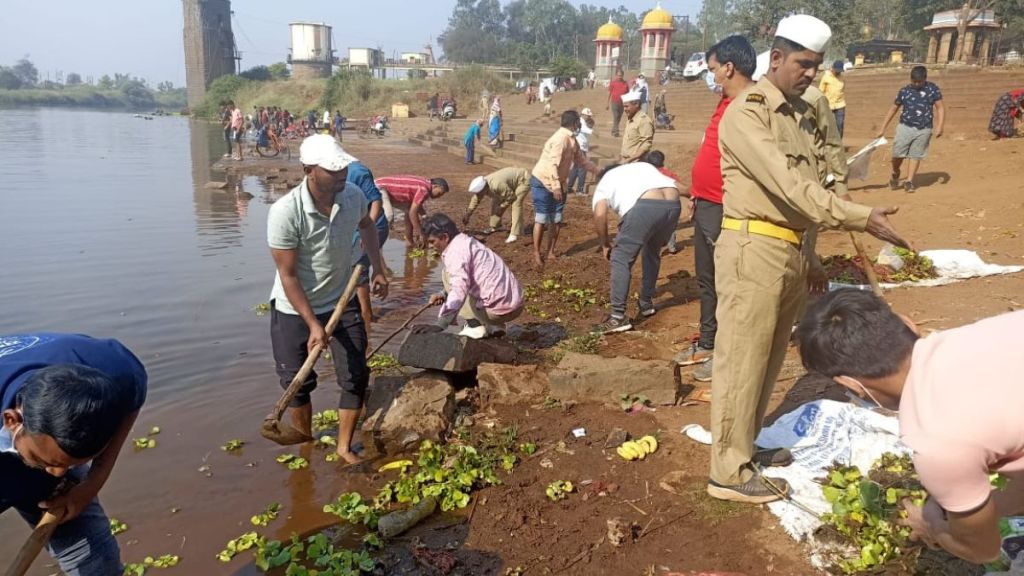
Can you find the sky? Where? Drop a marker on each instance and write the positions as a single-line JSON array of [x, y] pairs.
[[144, 37]]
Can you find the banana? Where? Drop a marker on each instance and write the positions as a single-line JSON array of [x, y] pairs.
[[636, 447], [650, 444], [396, 465], [626, 454]]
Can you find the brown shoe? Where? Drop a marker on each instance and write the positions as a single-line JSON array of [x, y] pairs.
[[771, 457], [753, 491]]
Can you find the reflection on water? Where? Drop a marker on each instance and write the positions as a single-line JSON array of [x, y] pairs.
[[108, 229]]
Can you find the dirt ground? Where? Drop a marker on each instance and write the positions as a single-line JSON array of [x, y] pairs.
[[969, 197]]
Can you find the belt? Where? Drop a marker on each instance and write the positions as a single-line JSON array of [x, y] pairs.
[[763, 228]]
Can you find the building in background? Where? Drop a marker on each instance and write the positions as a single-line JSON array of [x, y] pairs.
[[372, 59], [312, 51], [607, 46], [943, 32], [655, 41], [209, 45]]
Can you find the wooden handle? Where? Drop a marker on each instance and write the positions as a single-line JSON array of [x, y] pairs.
[[35, 543], [314, 355], [865, 263], [400, 328]]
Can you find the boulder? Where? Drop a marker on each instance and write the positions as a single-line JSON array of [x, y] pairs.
[[506, 384], [402, 412], [453, 353], [590, 378], [215, 185]]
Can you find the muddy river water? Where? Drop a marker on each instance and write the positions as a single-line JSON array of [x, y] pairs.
[[108, 230]]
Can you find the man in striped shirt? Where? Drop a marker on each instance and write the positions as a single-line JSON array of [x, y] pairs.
[[409, 194]]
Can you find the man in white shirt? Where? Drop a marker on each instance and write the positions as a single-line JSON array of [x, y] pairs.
[[578, 175], [648, 204]]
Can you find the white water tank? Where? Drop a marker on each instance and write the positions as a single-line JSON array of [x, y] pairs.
[[311, 42]]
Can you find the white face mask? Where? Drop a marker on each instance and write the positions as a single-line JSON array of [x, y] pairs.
[[862, 402], [7, 440], [715, 87]]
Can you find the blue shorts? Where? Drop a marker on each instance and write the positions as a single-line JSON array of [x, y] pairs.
[[545, 209], [383, 233]]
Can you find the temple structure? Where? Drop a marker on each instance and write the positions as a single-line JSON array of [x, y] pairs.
[[982, 26], [655, 41], [607, 46]]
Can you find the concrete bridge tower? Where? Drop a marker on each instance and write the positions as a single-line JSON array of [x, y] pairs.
[[209, 45]]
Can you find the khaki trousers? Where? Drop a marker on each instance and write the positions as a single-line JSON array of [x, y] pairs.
[[498, 207], [470, 310], [761, 284]]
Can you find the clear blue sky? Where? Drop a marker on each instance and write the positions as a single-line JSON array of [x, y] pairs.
[[144, 37]]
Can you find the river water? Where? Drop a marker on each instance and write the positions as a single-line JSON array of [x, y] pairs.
[[108, 230]]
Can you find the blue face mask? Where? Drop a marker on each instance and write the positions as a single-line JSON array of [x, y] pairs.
[[7, 442]]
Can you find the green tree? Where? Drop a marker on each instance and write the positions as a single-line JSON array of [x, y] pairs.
[[475, 32], [567, 67], [26, 72], [279, 71], [137, 94], [73, 79], [105, 82], [8, 79], [256, 73], [165, 86]]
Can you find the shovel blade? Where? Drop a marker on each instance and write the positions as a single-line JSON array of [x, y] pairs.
[[283, 434]]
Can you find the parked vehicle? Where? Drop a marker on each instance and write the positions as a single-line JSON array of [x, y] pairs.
[[696, 67]]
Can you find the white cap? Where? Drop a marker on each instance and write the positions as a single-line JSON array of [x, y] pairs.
[[477, 185], [763, 60], [324, 151], [630, 97], [587, 112], [805, 30]]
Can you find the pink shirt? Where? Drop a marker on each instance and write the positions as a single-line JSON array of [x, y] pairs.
[[236, 119], [962, 409], [405, 190], [475, 271]]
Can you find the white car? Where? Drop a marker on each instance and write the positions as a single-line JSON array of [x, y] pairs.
[[696, 66]]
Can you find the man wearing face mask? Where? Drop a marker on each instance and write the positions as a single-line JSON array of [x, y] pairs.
[[69, 402], [958, 438], [772, 183]]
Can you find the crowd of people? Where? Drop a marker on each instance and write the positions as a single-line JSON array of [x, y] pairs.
[[274, 122], [769, 173]]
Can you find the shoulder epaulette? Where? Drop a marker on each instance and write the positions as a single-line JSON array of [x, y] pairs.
[[755, 98]]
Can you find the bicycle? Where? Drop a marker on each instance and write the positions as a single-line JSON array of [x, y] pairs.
[[268, 145]]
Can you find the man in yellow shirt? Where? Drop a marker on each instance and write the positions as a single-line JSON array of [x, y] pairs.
[[834, 87]]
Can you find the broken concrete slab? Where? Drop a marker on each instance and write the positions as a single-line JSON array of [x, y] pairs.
[[215, 185], [507, 384], [402, 412], [590, 378], [453, 353]]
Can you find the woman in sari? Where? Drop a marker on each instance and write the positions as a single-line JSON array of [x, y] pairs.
[[1008, 109], [494, 124]]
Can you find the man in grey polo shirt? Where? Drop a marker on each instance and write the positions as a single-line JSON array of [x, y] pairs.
[[309, 231]]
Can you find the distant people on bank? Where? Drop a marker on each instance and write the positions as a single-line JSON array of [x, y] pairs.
[[958, 439], [69, 402], [237, 130], [578, 175], [922, 115], [484, 103], [545, 97], [506, 187], [666, 76], [549, 184], [470, 139], [1007, 114], [312, 272], [638, 138], [731, 64], [495, 124], [656, 158], [360, 176], [409, 194], [432, 106], [834, 87], [531, 93], [479, 287], [339, 124], [648, 206], [662, 119], [617, 88], [225, 123], [591, 79], [639, 85]]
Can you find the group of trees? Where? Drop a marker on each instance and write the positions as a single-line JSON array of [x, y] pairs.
[[276, 71], [532, 33]]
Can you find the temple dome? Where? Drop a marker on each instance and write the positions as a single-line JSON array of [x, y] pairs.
[[609, 31], [658, 19]]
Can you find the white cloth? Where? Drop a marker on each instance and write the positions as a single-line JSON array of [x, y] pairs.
[[763, 60], [805, 30], [583, 137], [621, 187]]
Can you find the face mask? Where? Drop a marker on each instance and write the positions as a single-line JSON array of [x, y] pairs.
[[7, 441], [864, 403], [709, 78]]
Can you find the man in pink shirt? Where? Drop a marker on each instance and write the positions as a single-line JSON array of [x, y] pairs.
[[409, 194], [479, 287], [237, 128], [958, 393]]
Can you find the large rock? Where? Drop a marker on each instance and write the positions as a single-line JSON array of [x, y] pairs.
[[505, 384], [453, 353], [401, 412], [589, 378]]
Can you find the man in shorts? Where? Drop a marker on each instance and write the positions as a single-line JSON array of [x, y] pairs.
[[920, 101]]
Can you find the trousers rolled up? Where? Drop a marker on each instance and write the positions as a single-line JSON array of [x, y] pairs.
[[642, 232], [471, 310], [707, 226], [761, 284]]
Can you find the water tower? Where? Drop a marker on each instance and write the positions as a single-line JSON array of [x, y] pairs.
[[312, 53]]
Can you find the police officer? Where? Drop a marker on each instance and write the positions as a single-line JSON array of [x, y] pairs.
[[773, 173]]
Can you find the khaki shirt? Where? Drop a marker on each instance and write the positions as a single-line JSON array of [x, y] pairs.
[[557, 158], [639, 135], [505, 186], [827, 137], [771, 168]]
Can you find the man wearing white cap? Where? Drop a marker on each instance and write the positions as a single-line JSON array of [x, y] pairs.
[[578, 174], [310, 232], [638, 138], [506, 187], [772, 181]]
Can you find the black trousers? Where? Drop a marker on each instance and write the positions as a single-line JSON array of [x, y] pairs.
[[707, 225], [289, 335]]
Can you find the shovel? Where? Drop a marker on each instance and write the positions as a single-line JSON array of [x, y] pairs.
[[400, 328], [35, 543], [865, 263], [284, 434]]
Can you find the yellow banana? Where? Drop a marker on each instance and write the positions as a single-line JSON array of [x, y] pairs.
[[396, 465], [626, 454], [641, 453], [650, 443]]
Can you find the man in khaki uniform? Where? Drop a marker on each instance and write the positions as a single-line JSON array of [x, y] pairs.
[[772, 174], [506, 187], [639, 135]]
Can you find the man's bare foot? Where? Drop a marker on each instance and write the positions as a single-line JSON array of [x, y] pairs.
[[552, 255], [538, 260], [348, 456]]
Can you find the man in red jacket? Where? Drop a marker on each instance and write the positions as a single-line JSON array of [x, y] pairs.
[[732, 62]]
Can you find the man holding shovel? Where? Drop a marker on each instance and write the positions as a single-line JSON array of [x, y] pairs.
[[309, 231], [69, 402]]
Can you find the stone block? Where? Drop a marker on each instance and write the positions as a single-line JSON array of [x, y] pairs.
[[590, 378], [506, 384], [453, 353], [401, 412]]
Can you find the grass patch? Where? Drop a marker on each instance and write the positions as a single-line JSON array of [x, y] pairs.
[[583, 344]]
